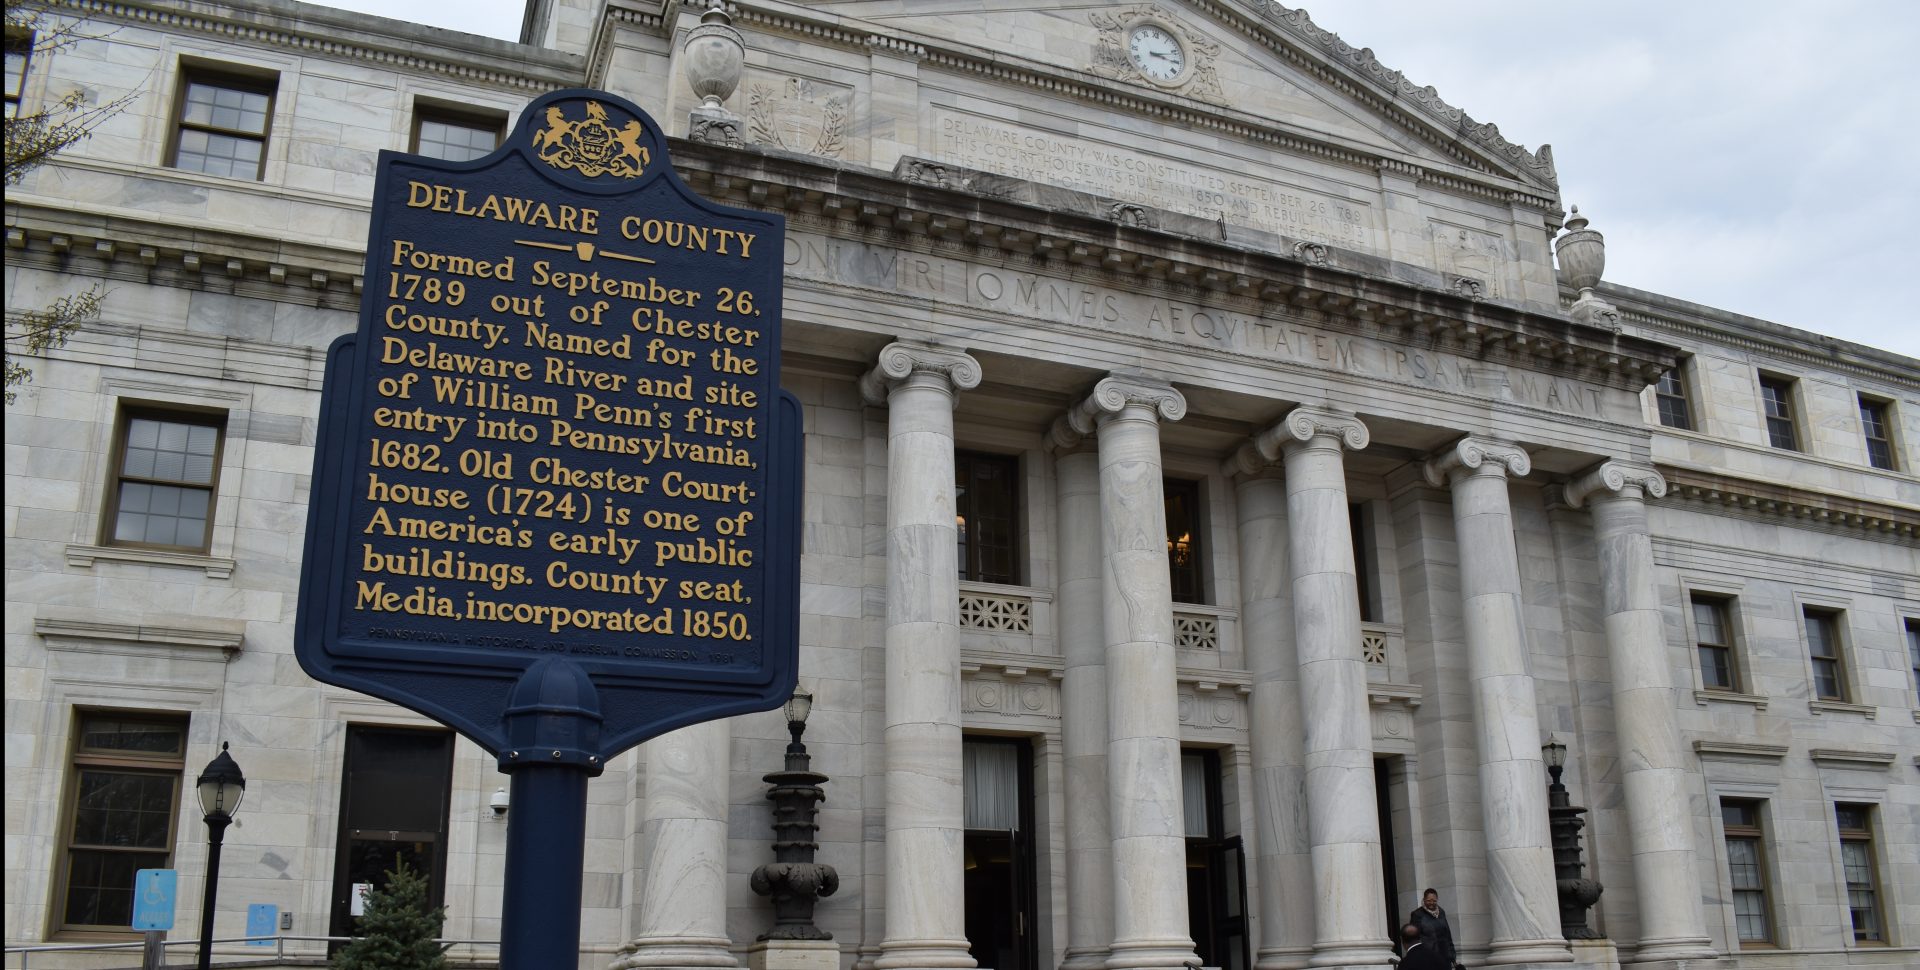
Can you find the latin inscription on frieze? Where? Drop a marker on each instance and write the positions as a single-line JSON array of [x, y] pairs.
[[1225, 328], [1024, 152]]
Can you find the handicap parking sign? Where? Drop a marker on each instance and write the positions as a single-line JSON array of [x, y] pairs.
[[153, 892]]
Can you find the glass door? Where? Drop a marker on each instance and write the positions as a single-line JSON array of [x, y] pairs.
[[393, 807]]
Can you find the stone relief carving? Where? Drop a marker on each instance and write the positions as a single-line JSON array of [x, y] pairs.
[[1010, 690], [1311, 252], [1202, 81], [1467, 286], [922, 172], [1128, 214], [715, 131], [799, 115], [1466, 254], [1300, 26]]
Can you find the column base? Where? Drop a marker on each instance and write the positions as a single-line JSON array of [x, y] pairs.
[[1152, 955], [1673, 950], [1523, 953], [674, 953], [1085, 958], [1365, 954], [1282, 958], [794, 955], [925, 955]]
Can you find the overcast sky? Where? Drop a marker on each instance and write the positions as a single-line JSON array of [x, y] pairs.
[[1752, 155]]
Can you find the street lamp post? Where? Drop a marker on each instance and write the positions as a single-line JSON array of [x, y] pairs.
[[793, 879], [221, 788], [1576, 891]]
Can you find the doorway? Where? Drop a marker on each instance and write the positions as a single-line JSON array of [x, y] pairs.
[[1216, 866], [999, 853], [394, 791]]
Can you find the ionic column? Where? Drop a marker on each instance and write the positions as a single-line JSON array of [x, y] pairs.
[[1281, 849], [1653, 762], [1348, 924], [926, 912], [1143, 712], [1513, 790], [1083, 702], [683, 902]]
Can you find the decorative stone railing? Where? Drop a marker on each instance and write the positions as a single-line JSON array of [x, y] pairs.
[[1006, 619], [1383, 647]]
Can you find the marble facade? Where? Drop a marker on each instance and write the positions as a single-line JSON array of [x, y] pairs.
[[1439, 515]]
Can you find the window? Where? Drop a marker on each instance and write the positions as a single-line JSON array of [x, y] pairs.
[[1747, 870], [1776, 395], [1913, 653], [123, 796], [1873, 422], [1823, 645], [166, 464], [453, 136], [1183, 538], [19, 49], [223, 124], [1670, 395], [1856, 859], [1713, 638], [1360, 523], [395, 792], [986, 498]]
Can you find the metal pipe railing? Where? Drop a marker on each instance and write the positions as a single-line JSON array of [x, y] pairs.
[[279, 945]]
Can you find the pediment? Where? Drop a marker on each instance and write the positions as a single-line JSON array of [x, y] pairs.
[[1246, 61]]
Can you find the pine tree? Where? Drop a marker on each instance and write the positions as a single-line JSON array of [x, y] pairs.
[[398, 928]]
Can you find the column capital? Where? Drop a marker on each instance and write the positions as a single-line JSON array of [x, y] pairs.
[[1471, 453], [902, 359], [1114, 394], [1301, 424], [1617, 476]]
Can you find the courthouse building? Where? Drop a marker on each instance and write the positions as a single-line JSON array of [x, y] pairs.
[[1300, 474]]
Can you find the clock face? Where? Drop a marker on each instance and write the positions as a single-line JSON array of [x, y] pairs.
[[1156, 53]]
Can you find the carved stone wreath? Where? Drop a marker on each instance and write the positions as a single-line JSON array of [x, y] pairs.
[[798, 118], [1110, 58]]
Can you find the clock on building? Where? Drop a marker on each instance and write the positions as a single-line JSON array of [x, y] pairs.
[[1156, 53]]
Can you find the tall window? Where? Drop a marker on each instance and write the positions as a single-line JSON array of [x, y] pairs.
[[1671, 397], [19, 50], [1360, 522], [1183, 539], [395, 790], [986, 498], [1856, 858], [1713, 637], [1747, 870], [454, 137], [1913, 653], [1873, 422], [123, 796], [164, 479], [1823, 645], [223, 122], [1776, 396]]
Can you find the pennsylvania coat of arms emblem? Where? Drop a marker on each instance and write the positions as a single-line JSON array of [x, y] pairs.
[[592, 146]]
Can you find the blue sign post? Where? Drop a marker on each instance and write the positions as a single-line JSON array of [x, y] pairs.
[[556, 492], [154, 891]]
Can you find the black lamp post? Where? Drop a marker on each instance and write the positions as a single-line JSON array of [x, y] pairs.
[[793, 879], [1576, 891], [221, 788]]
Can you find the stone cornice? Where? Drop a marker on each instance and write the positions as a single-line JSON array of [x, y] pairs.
[[171, 632], [1740, 751], [1614, 476], [337, 33], [1748, 498], [1471, 453], [1842, 758]]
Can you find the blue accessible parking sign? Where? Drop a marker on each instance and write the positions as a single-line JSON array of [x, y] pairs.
[[153, 896]]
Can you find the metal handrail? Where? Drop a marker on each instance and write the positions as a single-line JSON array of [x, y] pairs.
[[279, 947]]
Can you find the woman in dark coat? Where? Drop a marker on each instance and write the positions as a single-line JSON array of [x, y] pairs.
[[1434, 931]]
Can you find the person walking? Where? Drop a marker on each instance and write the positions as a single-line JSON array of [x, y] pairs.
[[1416, 953], [1431, 921]]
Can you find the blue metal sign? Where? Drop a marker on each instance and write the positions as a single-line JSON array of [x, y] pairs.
[[262, 923], [557, 443], [153, 895]]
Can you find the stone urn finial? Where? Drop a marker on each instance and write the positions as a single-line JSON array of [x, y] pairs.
[[1582, 253], [714, 55]]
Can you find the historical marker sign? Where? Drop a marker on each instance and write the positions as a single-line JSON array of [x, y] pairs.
[[558, 433]]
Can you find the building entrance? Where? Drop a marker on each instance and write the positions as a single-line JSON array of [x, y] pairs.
[[999, 879], [393, 808]]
